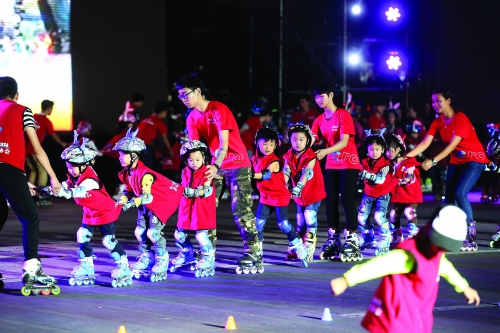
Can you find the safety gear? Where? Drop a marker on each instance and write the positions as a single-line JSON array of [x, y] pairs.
[[79, 154], [267, 133], [192, 146], [109, 242], [83, 235], [266, 174], [301, 128], [191, 192], [83, 127], [207, 190], [308, 172], [297, 190], [130, 143]]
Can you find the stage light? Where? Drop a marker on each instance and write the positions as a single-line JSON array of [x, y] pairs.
[[354, 59], [393, 14], [394, 62], [356, 9]]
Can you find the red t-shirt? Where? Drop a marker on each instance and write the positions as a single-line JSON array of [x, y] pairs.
[[304, 118], [12, 148], [217, 117], [43, 127], [314, 189], [469, 149], [408, 193], [340, 123], [273, 192], [248, 136], [377, 190], [108, 148], [149, 128], [375, 123]]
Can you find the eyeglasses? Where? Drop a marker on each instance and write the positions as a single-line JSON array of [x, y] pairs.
[[185, 96]]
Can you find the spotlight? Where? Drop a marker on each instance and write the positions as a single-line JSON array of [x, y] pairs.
[[393, 14], [394, 62], [354, 59], [356, 9]]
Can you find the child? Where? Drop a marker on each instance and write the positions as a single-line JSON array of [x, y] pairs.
[[407, 194], [99, 212], [130, 115], [196, 212], [414, 135], [83, 129], [274, 194], [378, 175], [404, 300], [156, 198], [307, 181]]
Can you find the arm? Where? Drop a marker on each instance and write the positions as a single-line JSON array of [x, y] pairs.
[[286, 172], [167, 143], [336, 147], [448, 271], [379, 177], [42, 158], [266, 173], [202, 191], [426, 142], [307, 173], [394, 262], [221, 154], [455, 140], [79, 191], [58, 140], [244, 128]]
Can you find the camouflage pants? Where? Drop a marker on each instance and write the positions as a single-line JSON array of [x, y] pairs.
[[239, 185]]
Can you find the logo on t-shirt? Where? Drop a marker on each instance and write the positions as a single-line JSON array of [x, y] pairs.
[[335, 128], [210, 121]]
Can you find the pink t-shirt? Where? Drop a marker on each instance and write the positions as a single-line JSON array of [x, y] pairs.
[[331, 130], [217, 117], [469, 149]]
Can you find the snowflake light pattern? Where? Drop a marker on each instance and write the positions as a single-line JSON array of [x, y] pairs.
[[393, 14]]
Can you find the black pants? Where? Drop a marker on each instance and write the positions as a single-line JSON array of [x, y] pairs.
[[14, 187], [106, 229], [342, 182]]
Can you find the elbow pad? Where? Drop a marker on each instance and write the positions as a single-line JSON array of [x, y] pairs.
[[65, 193], [207, 190], [147, 198], [380, 176], [287, 172], [308, 172], [79, 192]]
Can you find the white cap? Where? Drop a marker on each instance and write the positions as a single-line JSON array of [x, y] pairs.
[[449, 228]]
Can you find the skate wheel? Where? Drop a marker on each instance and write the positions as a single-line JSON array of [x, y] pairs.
[[360, 257], [253, 270], [55, 290], [349, 259], [246, 270], [71, 282], [25, 291], [36, 291], [304, 262], [152, 278], [45, 292], [261, 269], [86, 282], [492, 244], [192, 268], [114, 283], [377, 252], [78, 282], [137, 276], [212, 272], [197, 274], [172, 269], [343, 257], [239, 270]]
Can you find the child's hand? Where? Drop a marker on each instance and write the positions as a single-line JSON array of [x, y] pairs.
[[297, 190], [472, 295], [266, 174], [338, 286], [320, 154], [137, 201]]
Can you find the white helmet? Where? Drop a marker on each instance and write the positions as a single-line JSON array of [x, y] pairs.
[[192, 146], [79, 154], [130, 143]]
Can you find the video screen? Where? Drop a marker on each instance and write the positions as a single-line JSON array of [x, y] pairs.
[[35, 50]]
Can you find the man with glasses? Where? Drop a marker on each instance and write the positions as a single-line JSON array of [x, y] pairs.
[[214, 122]]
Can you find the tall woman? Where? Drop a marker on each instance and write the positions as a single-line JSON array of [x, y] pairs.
[[466, 161], [336, 127]]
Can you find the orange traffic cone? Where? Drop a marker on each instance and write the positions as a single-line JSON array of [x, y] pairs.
[[230, 324], [122, 329]]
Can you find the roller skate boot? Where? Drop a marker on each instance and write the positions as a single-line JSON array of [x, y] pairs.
[[159, 270], [366, 238], [297, 250], [470, 244], [142, 268], [351, 250], [122, 276], [384, 242], [83, 273], [496, 239], [412, 230], [309, 241], [206, 265], [44, 201], [249, 263], [36, 281], [185, 260], [331, 249], [397, 237]]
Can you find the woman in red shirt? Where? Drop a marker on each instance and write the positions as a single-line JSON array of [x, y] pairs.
[[466, 161]]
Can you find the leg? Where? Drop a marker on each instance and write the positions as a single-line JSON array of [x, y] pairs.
[[84, 272], [206, 265], [411, 216], [145, 260], [121, 275], [4, 210], [366, 238], [296, 248], [261, 216], [469, 174], [380, 217], [161, 254], [218, 183], [309, 239], [348, 190], [332, 187], [395, 223], [452, 176], [31, 163], [186, 253]]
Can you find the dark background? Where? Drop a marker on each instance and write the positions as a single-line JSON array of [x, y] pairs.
[[122, 47]]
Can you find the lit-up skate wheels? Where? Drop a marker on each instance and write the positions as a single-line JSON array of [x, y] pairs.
[[260, 269], [239, 270], [172, 269], [25, 291], [55, 290], [71, 281], [45, 292]]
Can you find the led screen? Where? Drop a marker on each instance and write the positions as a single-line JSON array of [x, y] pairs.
[[35, 50]]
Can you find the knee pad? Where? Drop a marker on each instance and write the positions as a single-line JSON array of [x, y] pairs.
[[380, 217], [410, 213], [180, 236], [109, 242], [311, 218], [115, 256], [154, 235], [138, 232], [285, 226], [301, 221], [392, 215], [81, 254], [83, 235], [362, 217], [259, 224]]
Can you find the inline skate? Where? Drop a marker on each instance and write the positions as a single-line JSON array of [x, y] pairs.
[[249, 263], [397, 237], [331, 249], [206, 265], [44, 201], [309, 241], [384, 242], [470, 242], [122, 276], [350, 251], [297, 250], [185, 259], [160, 269], [36, 281], [83, 273], [496, 239], [145, 261], [412, 230], [366, 238]]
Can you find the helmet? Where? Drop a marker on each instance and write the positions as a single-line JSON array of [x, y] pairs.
[[192, 146], [267, 133], [83, 127], [79, 154], [375, 138], [415, 127], [301, 128], [493, 148], [259, 107], [130, 143]]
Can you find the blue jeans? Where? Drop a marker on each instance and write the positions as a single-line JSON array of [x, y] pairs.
[[380, 214], [263, 213], [459, 181], [307, 220]]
